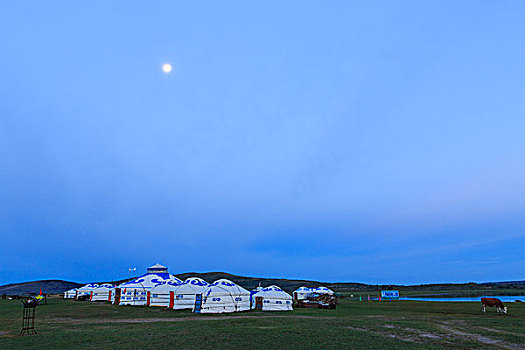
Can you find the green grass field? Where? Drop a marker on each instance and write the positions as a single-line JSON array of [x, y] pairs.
[[64, 324]]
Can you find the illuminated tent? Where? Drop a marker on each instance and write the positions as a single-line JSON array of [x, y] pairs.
[[225, 296], [104, 292], [302, 293], [272, 298]]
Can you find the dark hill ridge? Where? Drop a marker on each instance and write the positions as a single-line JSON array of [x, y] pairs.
[[289, 285], [48, 286]]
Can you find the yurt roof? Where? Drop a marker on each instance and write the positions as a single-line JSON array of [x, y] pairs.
[[88, 286], [303, 288], [196, 281], [223, 282], [104, 287], [224, 286], [150, 280], [273, 287], [324, 289], [157, 266], [273, 292], [167, 286]]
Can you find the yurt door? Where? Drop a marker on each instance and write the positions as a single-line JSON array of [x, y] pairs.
[[198, 303], [258, 303], [117, 296]]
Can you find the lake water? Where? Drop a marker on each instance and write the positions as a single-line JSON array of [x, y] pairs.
[[505, 299]]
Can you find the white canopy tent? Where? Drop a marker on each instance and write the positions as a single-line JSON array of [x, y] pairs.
[[135, 292], [104, 292], [272, 298], [224, 296], [302, 293], [70, 294]]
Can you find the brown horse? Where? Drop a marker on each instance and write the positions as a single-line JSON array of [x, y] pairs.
[[490, 302]]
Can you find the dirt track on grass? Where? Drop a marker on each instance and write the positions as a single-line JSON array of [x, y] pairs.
[[172, 319]]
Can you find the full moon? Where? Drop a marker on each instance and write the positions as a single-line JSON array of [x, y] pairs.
[[166, 67]]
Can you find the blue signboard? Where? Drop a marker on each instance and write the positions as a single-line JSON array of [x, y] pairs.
[[390, 294]]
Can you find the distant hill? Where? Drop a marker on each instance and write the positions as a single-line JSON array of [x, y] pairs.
[[289, 285], [48, 287]]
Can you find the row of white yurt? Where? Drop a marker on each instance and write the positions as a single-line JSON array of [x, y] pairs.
[[221, 296], [96, 292], [159, 288]]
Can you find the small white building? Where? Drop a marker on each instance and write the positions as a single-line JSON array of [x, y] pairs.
[[104, 292], [302, 293], [186, 293], [223, 296], [272, 298]]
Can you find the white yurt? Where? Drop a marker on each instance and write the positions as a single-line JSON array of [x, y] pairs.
[[86, 290], [224, 296], [302, 293], [323, 290], [272, 298], [185, 293], [70, 294], [104, 292], [163, 293], [136, 291]]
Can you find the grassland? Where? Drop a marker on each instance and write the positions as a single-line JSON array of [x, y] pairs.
[[64, 324]]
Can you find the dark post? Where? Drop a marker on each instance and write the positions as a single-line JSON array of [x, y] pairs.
[[28, 317]]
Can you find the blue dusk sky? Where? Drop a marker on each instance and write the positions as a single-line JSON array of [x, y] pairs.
[[368, 141]]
